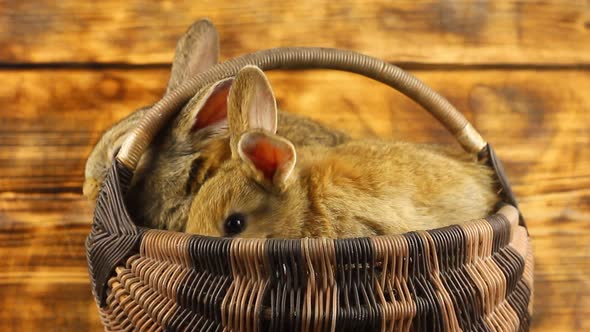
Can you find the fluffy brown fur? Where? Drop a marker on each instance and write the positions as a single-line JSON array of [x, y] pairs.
[[359, 188], [192, 147]]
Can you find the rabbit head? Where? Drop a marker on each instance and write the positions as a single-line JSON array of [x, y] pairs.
[[255, 193], [196, 51]]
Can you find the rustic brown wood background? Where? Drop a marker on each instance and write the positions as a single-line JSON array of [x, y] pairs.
[[518, 69]]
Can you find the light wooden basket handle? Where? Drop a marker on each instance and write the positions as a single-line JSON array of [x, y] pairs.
[[301, 58]]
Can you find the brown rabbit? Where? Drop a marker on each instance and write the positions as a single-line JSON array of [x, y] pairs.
[[192, 146], [360, 188]]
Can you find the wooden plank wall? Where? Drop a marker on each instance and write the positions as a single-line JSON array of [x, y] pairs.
[[68, 69]]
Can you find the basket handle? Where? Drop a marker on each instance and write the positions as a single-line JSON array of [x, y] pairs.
[[302, 58]]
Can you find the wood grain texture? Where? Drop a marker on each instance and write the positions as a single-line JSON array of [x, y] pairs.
[[446, 31], [539, 122], [51, 119], [43, 274]]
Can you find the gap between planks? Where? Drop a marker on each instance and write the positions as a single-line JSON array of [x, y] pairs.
[[412, 66]]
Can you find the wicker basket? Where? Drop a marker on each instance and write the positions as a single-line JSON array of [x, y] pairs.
[[475, 276]]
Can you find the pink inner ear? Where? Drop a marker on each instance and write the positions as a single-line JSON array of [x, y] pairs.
[[267, 157], [215, 108]]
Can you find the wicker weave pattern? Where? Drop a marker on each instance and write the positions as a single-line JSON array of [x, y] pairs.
[[475, 276], [310, 279]]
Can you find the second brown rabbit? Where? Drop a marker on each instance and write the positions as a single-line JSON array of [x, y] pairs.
[[193, 145], [269, 188]]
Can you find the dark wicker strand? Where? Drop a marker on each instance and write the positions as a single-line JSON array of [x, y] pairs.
[[114, 236]]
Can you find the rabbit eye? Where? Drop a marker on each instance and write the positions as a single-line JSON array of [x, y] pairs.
[[234, 224]]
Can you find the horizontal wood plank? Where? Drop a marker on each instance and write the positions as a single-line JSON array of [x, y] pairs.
[[39, 305], [555, 32], [538, 121], [44, 283]]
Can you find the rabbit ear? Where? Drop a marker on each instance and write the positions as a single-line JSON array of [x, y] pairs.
[[251, 104], [196, 51], [212, 107], [270, 157], [204, 110]]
